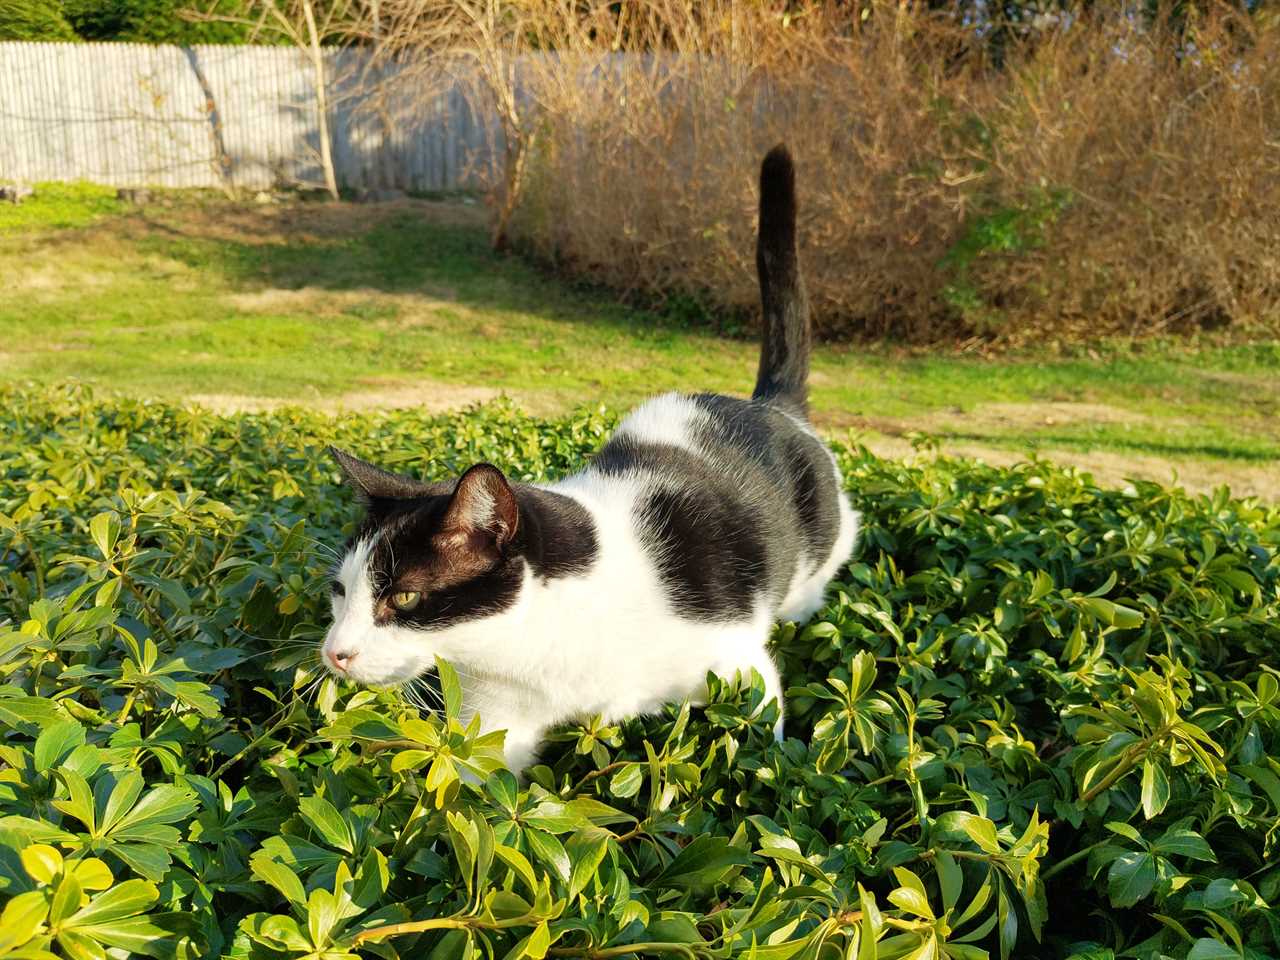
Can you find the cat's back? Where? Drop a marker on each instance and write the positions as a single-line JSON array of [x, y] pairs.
[[756, 448], [732, 499]]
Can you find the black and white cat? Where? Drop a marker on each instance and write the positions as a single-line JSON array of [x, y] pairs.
[[702, 521]]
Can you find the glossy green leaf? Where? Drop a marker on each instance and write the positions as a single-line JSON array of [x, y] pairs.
[[451, 688], [1184, 843], [705, 861], [327, 822], [56, 742], [1130, 878], [1155, 788], [586, 849]]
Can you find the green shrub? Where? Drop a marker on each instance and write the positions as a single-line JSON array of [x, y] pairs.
[[1008, 231], [34, 20], [1034, 710], [159, 21]]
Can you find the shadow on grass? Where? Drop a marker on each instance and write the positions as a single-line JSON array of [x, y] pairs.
[[394, 252]]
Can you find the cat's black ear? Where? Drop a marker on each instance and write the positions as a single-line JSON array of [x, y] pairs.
[[483, 502], [374, 483]]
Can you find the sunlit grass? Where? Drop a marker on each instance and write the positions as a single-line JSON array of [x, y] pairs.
[[313, 303]]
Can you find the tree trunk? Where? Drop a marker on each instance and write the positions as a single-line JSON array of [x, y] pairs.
[[515, 187], [504, 80], [221, 158], [322, 101]]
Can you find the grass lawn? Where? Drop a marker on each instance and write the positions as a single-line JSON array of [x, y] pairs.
[[246, 307]]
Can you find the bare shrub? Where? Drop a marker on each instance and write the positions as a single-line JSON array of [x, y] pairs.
[[497, 52], [1170, 169], [1105, 178]]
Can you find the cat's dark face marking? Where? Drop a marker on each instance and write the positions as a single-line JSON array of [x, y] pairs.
[[428, 559], [459, 564]]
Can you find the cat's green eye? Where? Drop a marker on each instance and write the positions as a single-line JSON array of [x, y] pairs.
[[406, 601]]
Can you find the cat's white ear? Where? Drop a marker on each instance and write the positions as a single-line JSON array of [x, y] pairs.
[[374, 483], [483, 502]]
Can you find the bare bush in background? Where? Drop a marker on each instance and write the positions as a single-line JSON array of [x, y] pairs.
[[505, 55], [1107, 177]]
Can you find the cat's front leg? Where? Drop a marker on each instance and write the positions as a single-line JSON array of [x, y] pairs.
[[768, 670], [500, 710], [521, 746], [758, 658], [523, 735]]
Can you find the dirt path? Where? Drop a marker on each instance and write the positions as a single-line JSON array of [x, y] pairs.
[[1112, 468], [430, 397]]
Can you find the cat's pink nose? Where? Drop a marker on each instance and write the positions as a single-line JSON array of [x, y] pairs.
[[341, 659]]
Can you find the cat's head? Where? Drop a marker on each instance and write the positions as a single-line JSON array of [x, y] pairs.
[[426, 561]]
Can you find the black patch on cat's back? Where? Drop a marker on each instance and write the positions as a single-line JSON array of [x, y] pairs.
[[709, 551], [625, 454], [707, 541], [796, 471], [796, 465], [816, 495]]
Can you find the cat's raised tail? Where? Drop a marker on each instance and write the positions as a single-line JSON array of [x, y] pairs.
[[784, 351]]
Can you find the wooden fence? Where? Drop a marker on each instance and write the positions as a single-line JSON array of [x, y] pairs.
[[210, 116]]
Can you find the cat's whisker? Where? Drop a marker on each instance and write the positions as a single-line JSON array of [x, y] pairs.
[[391, 552], [480, 681], [425, 691], [414, 695], [312, 689], [321, 544], [294, 642], [419, 701], [270, 653], [306, 683], [324, 567], [327, 552], [276, 641], [311, 668], [252, 636]]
